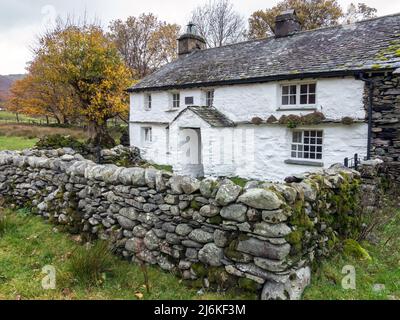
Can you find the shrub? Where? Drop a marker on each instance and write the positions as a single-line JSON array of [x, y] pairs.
[[347, 121], [272, 119], [57, 141], [313, 118], [256, 120], [88, 264], [292, 121]]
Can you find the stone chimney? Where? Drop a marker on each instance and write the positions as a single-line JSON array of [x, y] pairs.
[[190, 41], [287, 24]]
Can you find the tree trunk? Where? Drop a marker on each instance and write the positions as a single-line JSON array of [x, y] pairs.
[[99, 136]]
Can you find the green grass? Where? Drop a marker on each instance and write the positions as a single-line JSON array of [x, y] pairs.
[[383, 268], [30, 243], [16, 143]]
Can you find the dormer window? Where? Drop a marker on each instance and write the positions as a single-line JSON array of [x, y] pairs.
[[210, 98], [176, 100], [303, 94], [148, 102]]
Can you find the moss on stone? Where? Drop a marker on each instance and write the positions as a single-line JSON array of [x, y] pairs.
[[200, 270], [248, 285], [195, 205], [354, 249], [217, 220]]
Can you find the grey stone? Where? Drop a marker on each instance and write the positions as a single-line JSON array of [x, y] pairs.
[[125, 222], [270, 265], [211, 255], [129, 213], [191, 253], [265, 229], [227, 193], [183, 229], [171, 199], [150, 177], [165, 263], [209, 211], [221, 238], [190, 185], [139, 231], [292, 289], [135, 245], [151, 241], [209, 187], [276, 216], [201, 236], [192, 244], [263, 249], [261, 199], [172, 238], [234, 212]]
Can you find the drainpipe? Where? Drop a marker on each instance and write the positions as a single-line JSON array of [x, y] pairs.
[[371, 87]]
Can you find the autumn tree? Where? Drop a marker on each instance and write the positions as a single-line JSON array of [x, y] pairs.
[[218, 23], [311, 13], [41, 94], [358, 12], [86, 61], [145, 42]]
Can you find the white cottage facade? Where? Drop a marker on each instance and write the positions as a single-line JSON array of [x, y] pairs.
[[213, 112]]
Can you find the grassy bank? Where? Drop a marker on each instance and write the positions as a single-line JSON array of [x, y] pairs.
[[29, 244], [16, 143], [383, 268]]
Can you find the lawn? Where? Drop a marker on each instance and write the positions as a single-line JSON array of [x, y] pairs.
[[16, 143], [30, 243]]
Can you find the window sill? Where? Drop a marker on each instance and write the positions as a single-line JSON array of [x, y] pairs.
[[171, 110], [304, 163], [297, 108]]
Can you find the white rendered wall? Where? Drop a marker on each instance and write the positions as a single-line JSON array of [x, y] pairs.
[[156, 151], [336, 98]]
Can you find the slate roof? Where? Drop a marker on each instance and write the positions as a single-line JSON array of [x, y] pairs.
[[210, 115], [366, 45]]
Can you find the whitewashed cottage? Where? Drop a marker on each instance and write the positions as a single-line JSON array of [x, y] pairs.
[[239, 110]]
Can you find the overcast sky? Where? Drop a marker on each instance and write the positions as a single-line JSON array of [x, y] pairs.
[[22, 20]]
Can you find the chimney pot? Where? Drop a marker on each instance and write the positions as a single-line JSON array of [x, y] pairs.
[[287, 23]]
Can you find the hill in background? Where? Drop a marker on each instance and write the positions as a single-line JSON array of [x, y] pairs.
[[6, 82]]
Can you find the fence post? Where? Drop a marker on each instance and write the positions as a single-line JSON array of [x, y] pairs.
[[356, 161], [346, 162]]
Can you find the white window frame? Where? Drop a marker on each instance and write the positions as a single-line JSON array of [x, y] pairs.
[[307, 142], [297, 95], [148, 102], [147, 135], [175, 100], [210, 94]]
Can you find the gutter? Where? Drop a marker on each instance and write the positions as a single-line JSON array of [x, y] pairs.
[[293, 76], [371, 87]]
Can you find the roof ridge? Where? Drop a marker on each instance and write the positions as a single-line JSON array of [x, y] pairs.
[[299, 32]]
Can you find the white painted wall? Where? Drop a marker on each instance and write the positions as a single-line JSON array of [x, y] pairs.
[[336, 98], [265, 148]]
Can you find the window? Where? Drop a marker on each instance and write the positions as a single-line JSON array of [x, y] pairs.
[[307, 144], [300, 94], [148, 102], [210, 98], [176, 100], [147, 135], [289, 95]]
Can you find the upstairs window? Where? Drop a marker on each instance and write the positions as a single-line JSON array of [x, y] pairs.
[[147, 135], [176, 100], [307, 144], [299, 94], [210, 98], [148, 102]]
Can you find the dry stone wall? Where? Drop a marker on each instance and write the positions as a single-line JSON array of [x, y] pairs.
[[212, 233]]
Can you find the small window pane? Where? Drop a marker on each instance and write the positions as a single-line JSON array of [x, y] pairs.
[[303, 100], [304, 89], [285, 90], [312, 88], [292, 99], [312, 99], [293, 89], [285, 100]]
